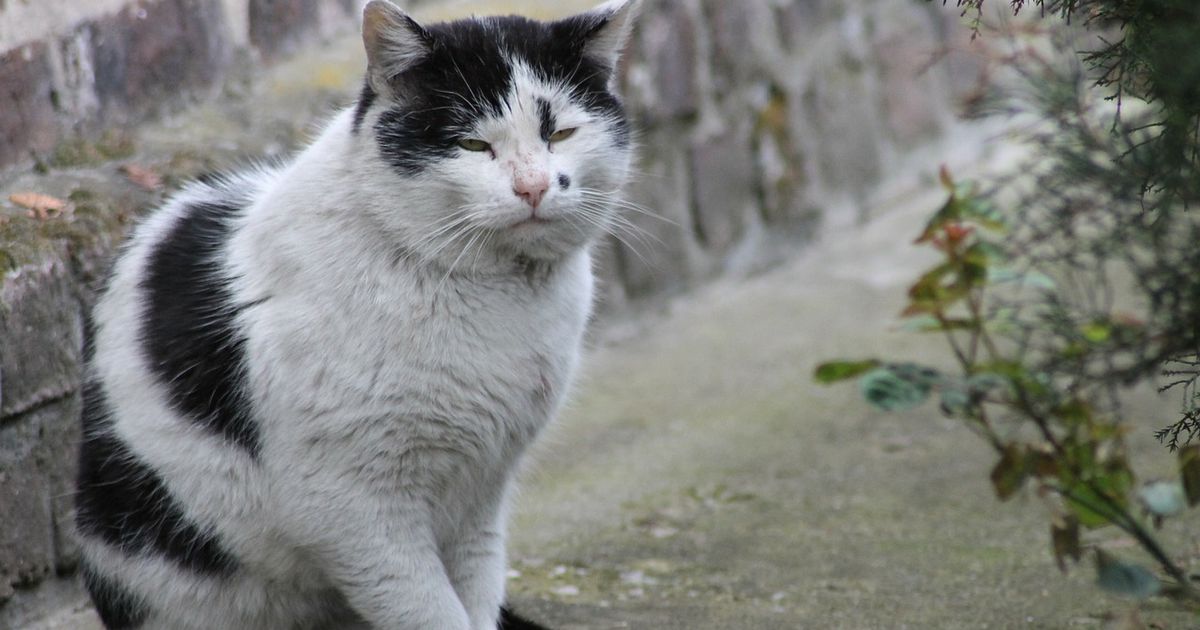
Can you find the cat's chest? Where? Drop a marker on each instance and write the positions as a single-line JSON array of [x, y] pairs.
[[485, 346], [489, 354]]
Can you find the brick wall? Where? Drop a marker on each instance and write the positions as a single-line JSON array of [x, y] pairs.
[[758, 120]]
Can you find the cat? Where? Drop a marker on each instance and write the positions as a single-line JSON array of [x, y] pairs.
[[310, 386]]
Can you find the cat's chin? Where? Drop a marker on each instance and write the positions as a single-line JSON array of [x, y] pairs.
[[543, 239], [532, 223], [524, 220]]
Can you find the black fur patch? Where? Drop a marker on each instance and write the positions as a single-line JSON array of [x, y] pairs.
[[365, 99], [511, 621], [547, 119], [564, 181], [466, 75], [212, 179], [188, 330], [118, 609], [124, 502]]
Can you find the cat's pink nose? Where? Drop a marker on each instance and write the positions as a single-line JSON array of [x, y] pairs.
[[532, 189]]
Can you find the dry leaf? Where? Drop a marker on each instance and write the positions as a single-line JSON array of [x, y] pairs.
[[142, 177], [40, 206]]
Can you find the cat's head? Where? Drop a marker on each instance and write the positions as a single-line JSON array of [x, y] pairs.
[[504, 133]]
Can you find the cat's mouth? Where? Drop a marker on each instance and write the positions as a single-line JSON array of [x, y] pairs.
[[532, 220]]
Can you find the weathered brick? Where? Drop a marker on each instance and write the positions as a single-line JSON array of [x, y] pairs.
[[38, 453], [799, 22], [277, 26], [782, 176], [610, 290], [731, 28], [56, 604], [668, 49], [153, 53], [59, 454], [839, 112], [41, 336], [905, 47], [723, 178], [796, 20], [743, 39], [660, 253], [27, 103], [964, 66], [27, 538]]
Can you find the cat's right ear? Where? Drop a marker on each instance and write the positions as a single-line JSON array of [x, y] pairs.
[[394, 42]]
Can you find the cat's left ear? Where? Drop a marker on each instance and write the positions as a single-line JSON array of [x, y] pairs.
[[607, 30], [394, 43]]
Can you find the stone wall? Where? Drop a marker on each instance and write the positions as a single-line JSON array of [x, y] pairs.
[[758, 120], [78, 66], [762, 118]]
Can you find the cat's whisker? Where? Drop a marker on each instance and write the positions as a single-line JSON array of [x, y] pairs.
[[443, 237], [470, 87], [453, 222], [482, 248], [574, 71], [449, 231], [620, 235], [448, 220], [448, 240], [611, 198], [450, 270], [643, 235], [579, 226], [490, 235], [645, 211], [631, 239]]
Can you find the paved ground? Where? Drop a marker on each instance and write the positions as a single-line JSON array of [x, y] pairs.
[[702, 480]]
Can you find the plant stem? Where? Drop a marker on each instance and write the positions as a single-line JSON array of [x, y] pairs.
[[958, 352], [1120, 517]]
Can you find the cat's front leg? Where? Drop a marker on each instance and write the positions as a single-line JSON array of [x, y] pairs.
[[386, 563], [476, 563]]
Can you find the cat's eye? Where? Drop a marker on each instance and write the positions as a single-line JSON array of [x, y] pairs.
[[473, 144], [563, 134]]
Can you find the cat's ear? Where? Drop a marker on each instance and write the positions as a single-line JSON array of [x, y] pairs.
[[394, 42], [608, 30]]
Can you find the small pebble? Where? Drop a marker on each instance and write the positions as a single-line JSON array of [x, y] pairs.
[[566, 590]]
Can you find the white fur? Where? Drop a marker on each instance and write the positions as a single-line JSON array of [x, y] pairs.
[[397, 373]]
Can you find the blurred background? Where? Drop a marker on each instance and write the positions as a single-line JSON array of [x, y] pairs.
[[789, 155]]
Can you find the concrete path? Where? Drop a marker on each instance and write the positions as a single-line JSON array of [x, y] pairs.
[[702, 480]]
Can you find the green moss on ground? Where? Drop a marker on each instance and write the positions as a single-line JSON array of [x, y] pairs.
[[82, 151]]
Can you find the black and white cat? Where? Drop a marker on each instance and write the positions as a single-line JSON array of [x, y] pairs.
[[311, 386]]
